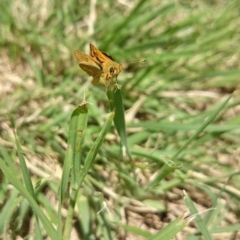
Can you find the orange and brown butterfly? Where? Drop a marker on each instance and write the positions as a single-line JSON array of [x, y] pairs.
[[98, 65]]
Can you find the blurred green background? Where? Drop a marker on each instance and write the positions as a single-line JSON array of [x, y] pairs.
[[178, 114]]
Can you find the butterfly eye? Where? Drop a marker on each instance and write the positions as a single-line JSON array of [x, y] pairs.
[[111, 70]]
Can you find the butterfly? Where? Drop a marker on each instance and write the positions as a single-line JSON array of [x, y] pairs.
[[98, 65]]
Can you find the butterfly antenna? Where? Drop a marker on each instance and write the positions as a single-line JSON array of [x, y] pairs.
[[141, 61]]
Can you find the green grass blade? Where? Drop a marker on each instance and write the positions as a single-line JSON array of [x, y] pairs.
[[94, 149], [170, 231], [25, 172], [85, 212], [87, 165], [8, 210], [201, 225], [78, 124], [166, 169], [116, 104], [25, 193], [124, 23]]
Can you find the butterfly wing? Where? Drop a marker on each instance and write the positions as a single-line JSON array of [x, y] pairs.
[[98, 55], [87, 63], [90, 69]]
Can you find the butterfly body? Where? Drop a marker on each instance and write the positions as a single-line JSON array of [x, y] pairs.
[[98, 65]]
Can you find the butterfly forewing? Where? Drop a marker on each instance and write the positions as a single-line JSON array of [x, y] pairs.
[[98, 55]]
